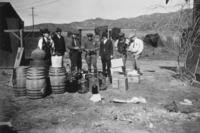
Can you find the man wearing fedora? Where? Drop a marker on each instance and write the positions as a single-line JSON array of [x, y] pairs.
[[75, 52], [59, 43], [46, 43], [91, 47]]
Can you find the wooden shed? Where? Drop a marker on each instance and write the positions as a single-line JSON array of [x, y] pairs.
[[9, 19]]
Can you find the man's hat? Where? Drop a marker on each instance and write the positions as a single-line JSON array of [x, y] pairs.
[[58, 30], [89, 35], [45, 31], [75, 32], [132, 35], [104, 35], [121, 34]]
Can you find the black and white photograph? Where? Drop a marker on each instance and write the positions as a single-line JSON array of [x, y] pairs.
[[99, 66]]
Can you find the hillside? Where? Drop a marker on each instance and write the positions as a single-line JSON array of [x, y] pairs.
[[157, 21]]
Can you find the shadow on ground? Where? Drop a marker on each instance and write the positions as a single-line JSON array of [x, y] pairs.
[[169, 68]]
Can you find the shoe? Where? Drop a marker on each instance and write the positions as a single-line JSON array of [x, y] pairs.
[[140, 73], [110, 80]]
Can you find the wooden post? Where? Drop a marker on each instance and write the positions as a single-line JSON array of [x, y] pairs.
[[80, 35], [21, 37], [108, 32]]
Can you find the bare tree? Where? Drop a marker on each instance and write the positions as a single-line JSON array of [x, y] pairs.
[[193, 38], [196, 10]]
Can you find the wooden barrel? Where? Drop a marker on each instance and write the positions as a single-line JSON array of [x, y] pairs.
[[58, 79], [36, 84], [19, 81]]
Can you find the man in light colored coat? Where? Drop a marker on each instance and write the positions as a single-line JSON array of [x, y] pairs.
[[136, 47]]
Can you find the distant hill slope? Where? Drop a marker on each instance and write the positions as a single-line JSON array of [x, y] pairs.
[[157, 21]]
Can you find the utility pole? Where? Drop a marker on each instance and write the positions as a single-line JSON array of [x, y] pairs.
[[33, 16]]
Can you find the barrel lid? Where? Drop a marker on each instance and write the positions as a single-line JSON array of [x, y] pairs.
[[38, 54], [22, 67]]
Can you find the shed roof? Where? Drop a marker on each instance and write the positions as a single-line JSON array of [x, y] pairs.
[[9, 10]]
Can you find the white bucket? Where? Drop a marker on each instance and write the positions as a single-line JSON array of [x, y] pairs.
[[56, 61], [117, 63]]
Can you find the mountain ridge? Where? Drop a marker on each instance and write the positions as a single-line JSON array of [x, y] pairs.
[[156, 21]]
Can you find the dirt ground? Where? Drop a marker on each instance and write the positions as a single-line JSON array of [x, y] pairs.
[[75, 113]]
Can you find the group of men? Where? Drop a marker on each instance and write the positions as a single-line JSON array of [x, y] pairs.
[[55, 45], [52, 45]]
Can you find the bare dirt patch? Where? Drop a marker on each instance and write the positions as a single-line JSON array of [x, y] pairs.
[[75, 113]]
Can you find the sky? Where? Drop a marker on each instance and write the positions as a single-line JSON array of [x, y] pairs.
[[66, 11]]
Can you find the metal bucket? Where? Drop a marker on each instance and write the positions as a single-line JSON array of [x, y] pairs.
[[93, 81], [102, 81], [72, 83], [82, 86]]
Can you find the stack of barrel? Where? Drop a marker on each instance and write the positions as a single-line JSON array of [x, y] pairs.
[[36, 78], [57, 75]]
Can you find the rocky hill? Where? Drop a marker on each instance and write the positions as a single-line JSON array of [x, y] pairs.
[[158, 21]]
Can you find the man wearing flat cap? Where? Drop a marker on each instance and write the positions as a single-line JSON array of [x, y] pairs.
[[46, 43], [59, 42], [136, 47], [91, 47], [75, 52]]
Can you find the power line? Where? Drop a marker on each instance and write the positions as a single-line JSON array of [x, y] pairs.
[[48, 3], [31, 3], [37, 4]]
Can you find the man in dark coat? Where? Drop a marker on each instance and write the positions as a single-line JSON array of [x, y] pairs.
[[75, 53], [59, 42], [106, 54]]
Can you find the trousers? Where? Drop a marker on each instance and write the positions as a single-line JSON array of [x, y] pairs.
[[106, 65], [91, 61], [76, 60], [135, 62]]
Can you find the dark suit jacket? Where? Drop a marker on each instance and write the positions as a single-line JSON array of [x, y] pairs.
[[106, 50], [59, 44], [71, 43]]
